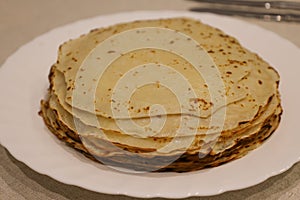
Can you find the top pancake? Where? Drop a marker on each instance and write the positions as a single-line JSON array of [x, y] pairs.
[[232, 60], [249, 81]]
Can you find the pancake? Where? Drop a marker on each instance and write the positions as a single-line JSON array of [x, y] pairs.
[[153, 143], [227, 105], [231, 122], [214, 41], [185, 162]]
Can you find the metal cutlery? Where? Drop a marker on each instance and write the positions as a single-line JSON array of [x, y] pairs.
[[268, 10]]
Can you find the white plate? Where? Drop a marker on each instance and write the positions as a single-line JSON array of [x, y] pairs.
[[23, 82]]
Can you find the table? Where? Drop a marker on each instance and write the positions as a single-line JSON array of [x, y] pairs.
[[21, 21]]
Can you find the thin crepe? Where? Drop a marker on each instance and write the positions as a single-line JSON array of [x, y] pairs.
[[252, 108], [232, 60], [141, 162]]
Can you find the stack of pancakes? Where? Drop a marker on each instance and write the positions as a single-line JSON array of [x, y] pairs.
[[222, 132]]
